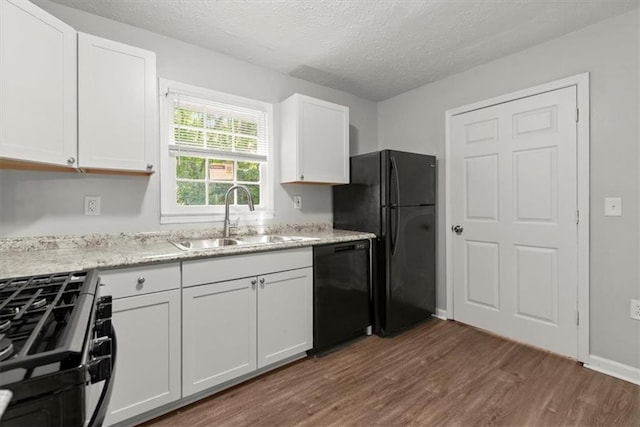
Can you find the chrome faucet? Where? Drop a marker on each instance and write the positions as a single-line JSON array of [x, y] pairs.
[[227, 223]]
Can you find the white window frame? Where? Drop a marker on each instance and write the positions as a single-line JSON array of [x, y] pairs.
[[170, 211]]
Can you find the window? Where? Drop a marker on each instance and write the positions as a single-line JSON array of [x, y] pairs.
[[210, 142]]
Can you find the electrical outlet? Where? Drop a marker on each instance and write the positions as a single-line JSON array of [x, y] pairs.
[[297, 202], [92, 205], [635, 309]]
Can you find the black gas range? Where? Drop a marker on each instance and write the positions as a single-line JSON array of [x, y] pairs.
[[57, 349]]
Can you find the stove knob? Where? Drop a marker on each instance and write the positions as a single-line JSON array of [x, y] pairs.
[[101, 347], [100, 368], [105, 299], [102, 328], [103, 310]]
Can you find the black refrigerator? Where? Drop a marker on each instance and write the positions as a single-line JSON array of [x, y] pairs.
[[393, 194]]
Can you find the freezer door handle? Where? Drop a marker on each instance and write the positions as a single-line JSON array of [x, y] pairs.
[[394, 169]]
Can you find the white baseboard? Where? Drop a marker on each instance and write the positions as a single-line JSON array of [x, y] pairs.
[[614, 369], [441, 314]]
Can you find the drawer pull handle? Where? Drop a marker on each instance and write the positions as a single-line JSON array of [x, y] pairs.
[[141, 280]]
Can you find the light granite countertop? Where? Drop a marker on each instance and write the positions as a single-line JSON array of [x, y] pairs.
[[44, 255]]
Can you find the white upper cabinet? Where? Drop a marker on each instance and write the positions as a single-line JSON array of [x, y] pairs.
[[117, 124], [314, 141], [37, 86]]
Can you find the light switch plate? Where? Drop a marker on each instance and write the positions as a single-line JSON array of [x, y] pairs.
[[613, 206]]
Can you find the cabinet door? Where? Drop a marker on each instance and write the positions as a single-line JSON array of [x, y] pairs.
[[148, 355], [219, 333], [285, 315], [324, 142], [37, 86], [116, 105]]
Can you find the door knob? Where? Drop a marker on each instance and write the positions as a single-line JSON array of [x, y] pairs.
[[458, 229]]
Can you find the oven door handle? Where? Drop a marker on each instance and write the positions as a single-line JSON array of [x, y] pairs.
[[103, 403]]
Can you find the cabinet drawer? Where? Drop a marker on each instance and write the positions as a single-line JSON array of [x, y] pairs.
[[234, 267], [126, 282]]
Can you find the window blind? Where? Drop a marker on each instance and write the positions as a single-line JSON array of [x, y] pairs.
[[203, 126]]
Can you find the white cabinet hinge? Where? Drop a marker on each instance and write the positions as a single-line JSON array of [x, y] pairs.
[[578, 318], [578, 217], [577, 115]]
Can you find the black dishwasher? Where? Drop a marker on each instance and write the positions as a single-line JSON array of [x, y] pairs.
[[342, 292]]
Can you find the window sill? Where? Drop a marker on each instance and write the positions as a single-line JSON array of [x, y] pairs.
[[183, 218]]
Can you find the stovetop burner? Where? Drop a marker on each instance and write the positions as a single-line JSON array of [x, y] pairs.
[[35, 315], [4, 325], [52, 357], [6, 347]]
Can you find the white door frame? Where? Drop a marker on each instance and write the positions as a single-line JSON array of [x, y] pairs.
[[581, 81]]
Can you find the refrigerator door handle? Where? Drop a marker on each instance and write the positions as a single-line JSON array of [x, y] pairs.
[[396, 230], [394, 169]]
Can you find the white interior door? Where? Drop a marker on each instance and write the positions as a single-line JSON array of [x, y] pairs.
[[514, 196]]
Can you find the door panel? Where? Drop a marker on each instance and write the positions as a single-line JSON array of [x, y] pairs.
[[482, 276], [411, 271], [481, 176], [514, 193], [537, 283], [535, 182]]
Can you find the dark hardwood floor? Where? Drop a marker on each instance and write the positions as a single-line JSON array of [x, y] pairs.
[[440, 373]]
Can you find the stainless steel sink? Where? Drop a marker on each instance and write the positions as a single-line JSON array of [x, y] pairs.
[[272, 238], [202, 244], [253, 240], [260, 239]]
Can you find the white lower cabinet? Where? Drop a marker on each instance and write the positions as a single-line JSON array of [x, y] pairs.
[[147, 327], [285, 315], [219, 333], [233, 327], [232, 317]]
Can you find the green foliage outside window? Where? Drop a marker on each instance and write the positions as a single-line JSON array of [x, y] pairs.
[[190, 168], [190, 193], [194, 182], [198, 181]]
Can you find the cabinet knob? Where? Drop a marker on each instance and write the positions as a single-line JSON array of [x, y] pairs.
[[141, 281], [301, 177], [253, 283], [262, 282], [149, 166], [71, 160]]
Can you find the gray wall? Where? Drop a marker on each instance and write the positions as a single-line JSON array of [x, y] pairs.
[[609, 50], [43, 203]]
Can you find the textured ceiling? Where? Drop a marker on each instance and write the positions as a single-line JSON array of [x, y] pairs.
[[372, 48]]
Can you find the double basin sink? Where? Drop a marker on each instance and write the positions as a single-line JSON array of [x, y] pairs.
[[203, 244]]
